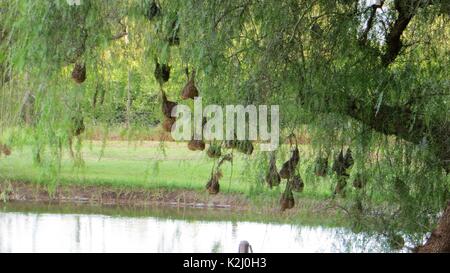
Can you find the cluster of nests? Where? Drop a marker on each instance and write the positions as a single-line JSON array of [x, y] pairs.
[[295, 183], [342, 164], [289, 172], [190, 91], [213, 186], [215, 149]]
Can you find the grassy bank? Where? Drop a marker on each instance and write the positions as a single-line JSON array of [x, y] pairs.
[[150, 165], [148, 174]]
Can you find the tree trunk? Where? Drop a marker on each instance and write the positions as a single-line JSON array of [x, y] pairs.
[[439, 240]]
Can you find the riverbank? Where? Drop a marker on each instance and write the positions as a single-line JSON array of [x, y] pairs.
[[107, 195], [307, 211], [147, 174], [155, 165]]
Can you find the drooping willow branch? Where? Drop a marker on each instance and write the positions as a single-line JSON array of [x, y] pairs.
[[398, 120]]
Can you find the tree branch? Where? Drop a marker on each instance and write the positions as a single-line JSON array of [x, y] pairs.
[[402, 122], [399, 121], [374, 7], [393, 38], [406, 10]]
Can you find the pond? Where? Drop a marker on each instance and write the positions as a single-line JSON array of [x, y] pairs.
[[83, 228]]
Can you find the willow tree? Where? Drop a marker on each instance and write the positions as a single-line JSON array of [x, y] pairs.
[[369, 75]]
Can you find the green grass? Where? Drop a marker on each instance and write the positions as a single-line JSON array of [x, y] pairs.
[[147, 165]]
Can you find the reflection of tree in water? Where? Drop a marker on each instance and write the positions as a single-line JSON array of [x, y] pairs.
[[7, 247], [216, 247], [177, 234], [234, 227], [35, 230], [77, 229], [325, 239], [346, 241]]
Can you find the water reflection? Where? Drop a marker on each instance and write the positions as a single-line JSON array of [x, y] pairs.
[[45, 232]]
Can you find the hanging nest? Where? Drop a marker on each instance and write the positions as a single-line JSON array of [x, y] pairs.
[[78, 125], [273, 177], [153, 10], [339, 164], [5, 150], [190, 90], [297, 184], [168, 123], [213, 185], [167, 105], [162, 72], [359, 181], [196, 145], [321, 166], [288, 168], [79, 73], [287, 199], [348, 159], [245, 146], [214, 151]]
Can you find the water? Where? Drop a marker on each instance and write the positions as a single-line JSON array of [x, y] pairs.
[[22, 230]]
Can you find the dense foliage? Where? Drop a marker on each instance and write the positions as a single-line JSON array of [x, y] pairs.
[[372, 76]]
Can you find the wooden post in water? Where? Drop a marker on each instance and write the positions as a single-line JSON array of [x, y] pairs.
[[245, 247]]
